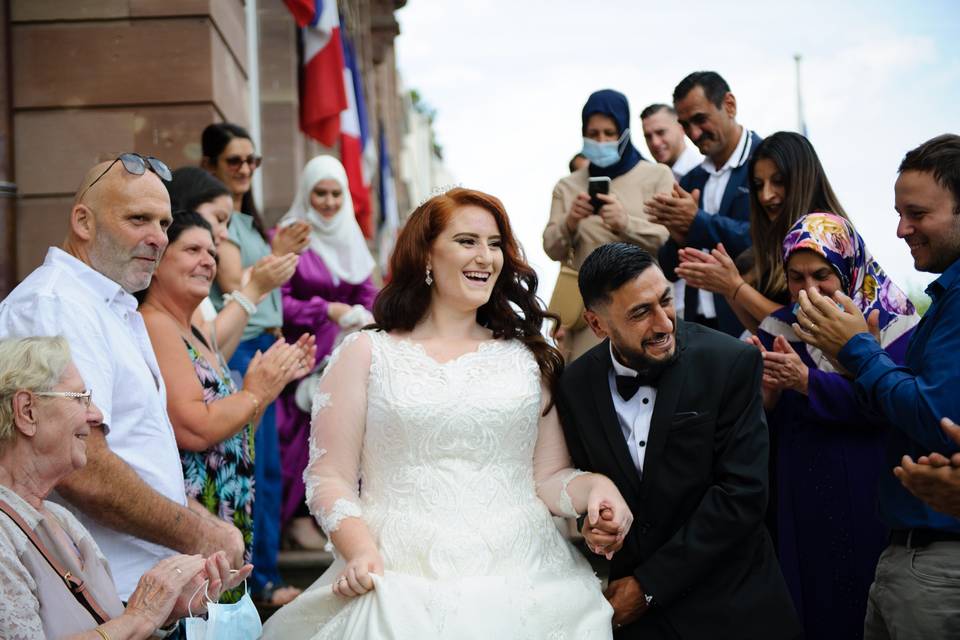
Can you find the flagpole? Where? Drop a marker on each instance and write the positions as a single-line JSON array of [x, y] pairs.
[[253, 80], [801, 123]]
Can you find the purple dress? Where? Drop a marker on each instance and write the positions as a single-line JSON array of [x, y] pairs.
[[305, 300], [829, 457]]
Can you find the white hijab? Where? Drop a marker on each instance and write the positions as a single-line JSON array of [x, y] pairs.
[[337, 240]]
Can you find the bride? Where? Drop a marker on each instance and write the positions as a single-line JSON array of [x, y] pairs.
[[437, 458]]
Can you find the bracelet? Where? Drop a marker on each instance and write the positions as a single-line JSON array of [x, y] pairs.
[[737, 290], [101, 633], [256, 402], [245, 303]]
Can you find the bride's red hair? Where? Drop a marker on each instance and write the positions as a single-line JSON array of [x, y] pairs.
[[513, 311]]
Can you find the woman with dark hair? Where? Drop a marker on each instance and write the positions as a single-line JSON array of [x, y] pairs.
[[193, 189], [579, 225], [229, 154], [213, 420], [787, 181], [829, 451], [437, 457]]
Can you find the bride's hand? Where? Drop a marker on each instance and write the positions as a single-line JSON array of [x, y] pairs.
[[608, 519], [355, 578]]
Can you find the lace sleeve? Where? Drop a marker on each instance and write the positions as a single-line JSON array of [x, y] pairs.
[[332, 476], [19, 607], [552, 468]]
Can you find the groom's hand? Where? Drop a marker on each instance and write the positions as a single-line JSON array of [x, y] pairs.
[[628, 600], [603, 537]]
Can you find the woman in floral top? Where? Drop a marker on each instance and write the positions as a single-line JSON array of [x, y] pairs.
[[213, 421]]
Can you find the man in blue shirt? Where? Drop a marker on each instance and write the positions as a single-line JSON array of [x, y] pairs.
[[916, 590]]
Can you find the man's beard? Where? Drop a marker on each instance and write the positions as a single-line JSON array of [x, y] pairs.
[[645, 366], [110, 259]]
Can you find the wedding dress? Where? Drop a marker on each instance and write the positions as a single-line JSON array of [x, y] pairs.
[[456, 474]]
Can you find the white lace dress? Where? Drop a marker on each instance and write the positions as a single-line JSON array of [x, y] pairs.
[[456, 475]]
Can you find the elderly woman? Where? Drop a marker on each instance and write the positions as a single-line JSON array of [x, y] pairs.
[[829, 451], [577, 227], [213, 420], [45, 416], [330, 294]]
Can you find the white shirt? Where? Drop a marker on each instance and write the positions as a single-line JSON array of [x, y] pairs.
[[712, 196], [634, 414], [111, 349], [686, 161]]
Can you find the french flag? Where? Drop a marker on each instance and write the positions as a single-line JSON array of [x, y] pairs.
[[323, 95], [355, 139]]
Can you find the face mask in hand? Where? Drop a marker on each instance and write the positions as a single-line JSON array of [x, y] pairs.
[[604, 154], [238, 621]]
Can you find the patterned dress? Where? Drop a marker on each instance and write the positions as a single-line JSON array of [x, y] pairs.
[[221, 478]]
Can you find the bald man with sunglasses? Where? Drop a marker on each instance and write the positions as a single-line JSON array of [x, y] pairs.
[[131, 493]]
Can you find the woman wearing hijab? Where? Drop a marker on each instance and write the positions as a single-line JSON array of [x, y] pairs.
[[830, 452], [330, 293], [575, 228]]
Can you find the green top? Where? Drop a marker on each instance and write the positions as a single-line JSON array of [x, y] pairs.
[[240, 231]]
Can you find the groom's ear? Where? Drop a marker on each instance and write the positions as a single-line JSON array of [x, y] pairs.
[[596, 323]]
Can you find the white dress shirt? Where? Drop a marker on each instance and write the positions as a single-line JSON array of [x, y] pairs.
[[711, 198], [686, 161], [111, 349], [634, 414]]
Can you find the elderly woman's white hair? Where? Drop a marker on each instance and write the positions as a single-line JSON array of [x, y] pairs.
[[35, 364]]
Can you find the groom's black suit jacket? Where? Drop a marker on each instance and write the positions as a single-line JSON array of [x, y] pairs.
[[698, 543]]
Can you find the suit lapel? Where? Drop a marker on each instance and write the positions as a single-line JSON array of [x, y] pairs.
[[736, 181], [668, 394], [600, 388]]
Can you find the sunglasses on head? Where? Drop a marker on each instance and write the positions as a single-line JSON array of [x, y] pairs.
[[235, 162], [137, 165]]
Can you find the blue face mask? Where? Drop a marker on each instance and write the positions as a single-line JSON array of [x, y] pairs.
[[604, 154], [238, 621]]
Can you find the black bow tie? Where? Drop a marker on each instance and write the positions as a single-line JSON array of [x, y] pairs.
[[627, 385]]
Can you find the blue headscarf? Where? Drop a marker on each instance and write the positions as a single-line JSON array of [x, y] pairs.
[[613, 104]]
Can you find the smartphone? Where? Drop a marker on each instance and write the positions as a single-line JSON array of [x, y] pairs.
[[599, 184]]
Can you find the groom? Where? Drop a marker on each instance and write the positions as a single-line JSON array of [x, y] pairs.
[[672, 413]]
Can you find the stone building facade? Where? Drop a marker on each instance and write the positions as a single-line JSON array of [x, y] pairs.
[[84, 80]]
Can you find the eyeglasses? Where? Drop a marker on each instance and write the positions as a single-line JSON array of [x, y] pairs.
[[235, 162], [137, 165], [85, 396]]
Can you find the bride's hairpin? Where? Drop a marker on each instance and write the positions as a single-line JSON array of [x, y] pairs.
[[439, 191]]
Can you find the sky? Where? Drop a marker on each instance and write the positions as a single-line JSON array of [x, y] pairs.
[[508, 79]]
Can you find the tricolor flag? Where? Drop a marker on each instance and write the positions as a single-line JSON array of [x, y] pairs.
[[389, 212], [322, 93], [355, 138]]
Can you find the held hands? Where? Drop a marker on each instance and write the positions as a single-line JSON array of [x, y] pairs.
[[935, 478], [608, 518], [580, 208], [714, 272], [355, 578], [821, 324], [292, 238], [675, 211]]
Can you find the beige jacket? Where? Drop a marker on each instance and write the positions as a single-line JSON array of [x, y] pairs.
[[632, 189]]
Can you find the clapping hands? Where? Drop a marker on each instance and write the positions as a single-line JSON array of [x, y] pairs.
[[935, 478]]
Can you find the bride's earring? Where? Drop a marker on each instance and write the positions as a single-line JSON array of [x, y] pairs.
[[429, 278]]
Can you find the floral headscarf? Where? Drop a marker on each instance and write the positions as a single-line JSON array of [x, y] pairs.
[[861, 278]]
